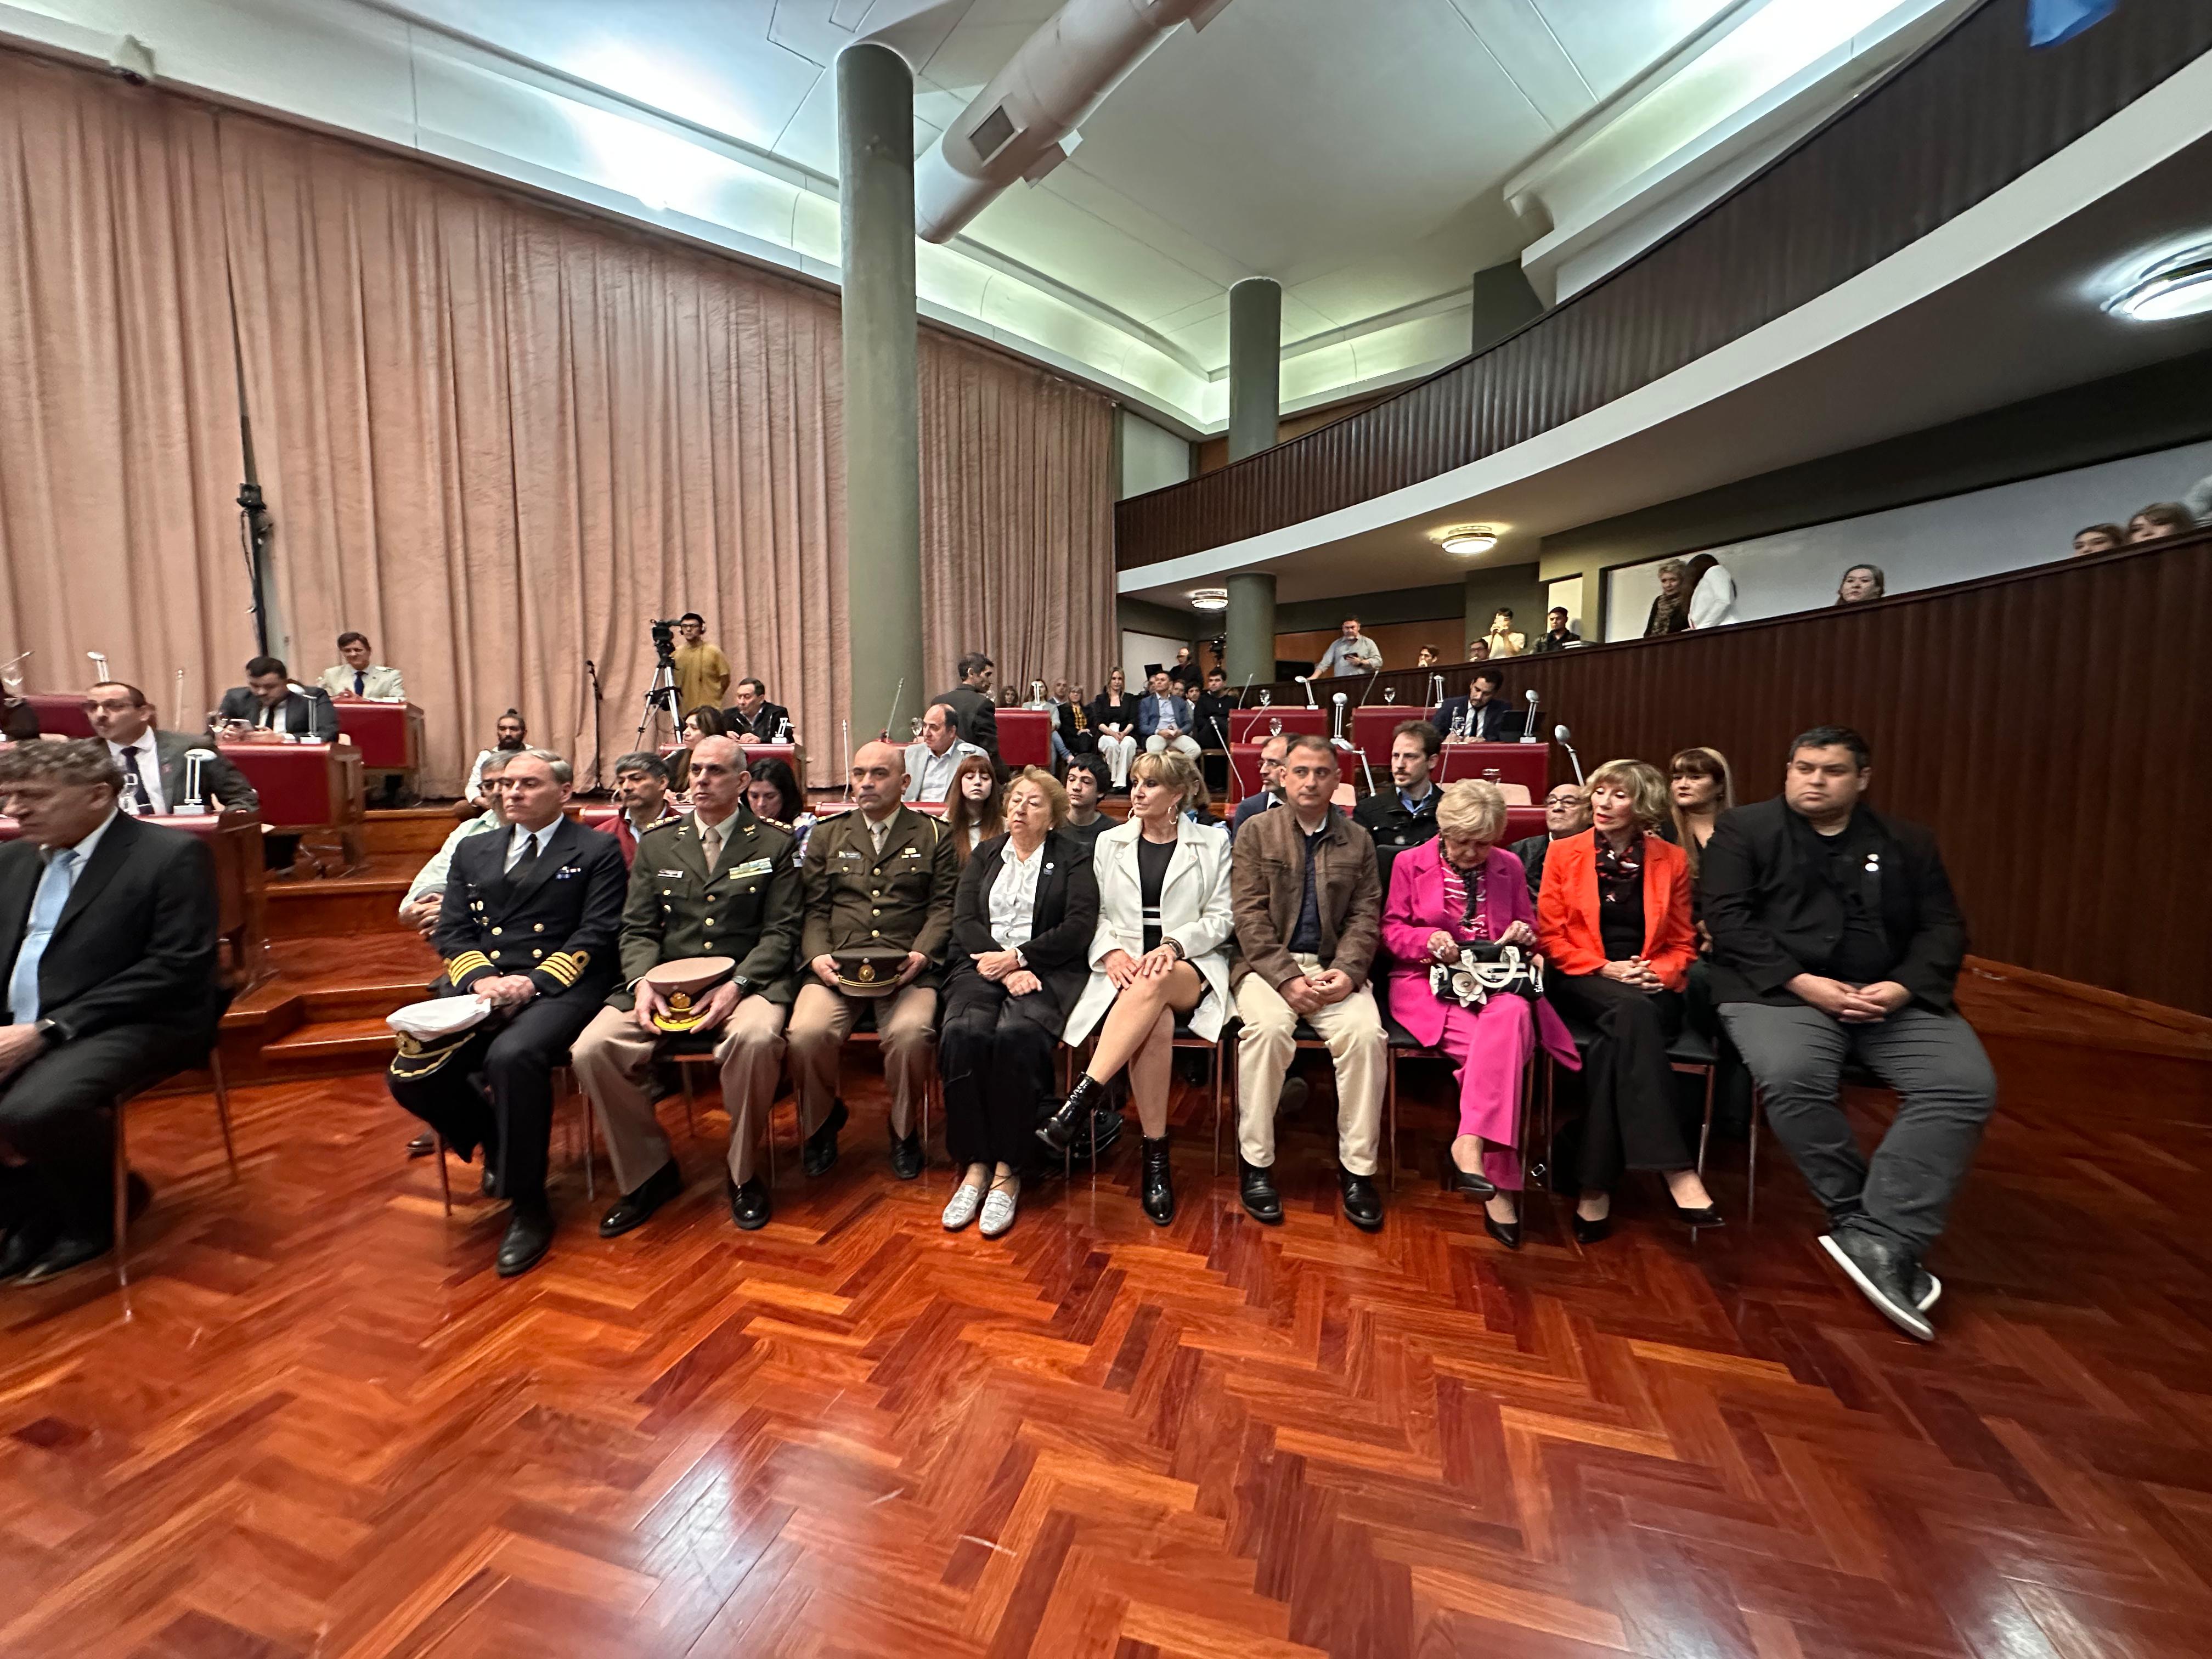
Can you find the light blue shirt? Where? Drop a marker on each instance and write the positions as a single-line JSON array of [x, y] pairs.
[[56, 882]]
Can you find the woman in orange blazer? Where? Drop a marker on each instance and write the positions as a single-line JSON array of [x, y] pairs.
[[1613, 919]]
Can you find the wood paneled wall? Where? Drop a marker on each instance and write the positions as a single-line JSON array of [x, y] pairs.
[[2053, 725], [1971, 113]]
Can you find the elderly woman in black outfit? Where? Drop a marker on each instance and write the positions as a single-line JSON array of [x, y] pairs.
[[1022, 921]]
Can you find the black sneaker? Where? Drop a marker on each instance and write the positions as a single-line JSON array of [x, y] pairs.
[[1885, 1275]]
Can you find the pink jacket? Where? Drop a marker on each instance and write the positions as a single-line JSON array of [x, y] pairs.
[[1416, 908]]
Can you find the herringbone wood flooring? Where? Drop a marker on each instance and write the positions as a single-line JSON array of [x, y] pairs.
[[325, 1428]]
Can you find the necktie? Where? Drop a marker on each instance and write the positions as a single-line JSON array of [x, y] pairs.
[[360, 682], [527, 855], [46, 906], [710, 837], [134, 785]]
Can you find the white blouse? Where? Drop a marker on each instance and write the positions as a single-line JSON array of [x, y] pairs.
[[1013, 898]]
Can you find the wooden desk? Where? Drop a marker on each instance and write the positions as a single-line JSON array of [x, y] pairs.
[[305, 788], [241, 910], [388, 734], [1025, 738]]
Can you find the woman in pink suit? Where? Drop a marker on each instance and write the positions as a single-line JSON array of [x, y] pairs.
[[1460, 888]]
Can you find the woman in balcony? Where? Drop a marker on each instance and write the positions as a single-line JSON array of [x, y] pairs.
[[1670, 611]]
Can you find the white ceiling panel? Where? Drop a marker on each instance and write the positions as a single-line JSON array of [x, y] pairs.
[[1612, 43]]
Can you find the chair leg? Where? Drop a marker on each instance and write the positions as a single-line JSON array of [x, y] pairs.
[[591, 1143], [222, 1112], [690, 1127], [1705, 1129], [1390, 1108], [1751, 1171], [444, 1178], [122, 1201]]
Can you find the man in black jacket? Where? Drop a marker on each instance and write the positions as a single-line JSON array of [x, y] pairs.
[[1835, 935], [1405, 814], [108, 939], [270, 700], [974, 716], [528, 922], [1483, 715], [753, 718], [1556, 635]]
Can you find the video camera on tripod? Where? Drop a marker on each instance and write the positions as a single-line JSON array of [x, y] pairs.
[[664, 640], [660, 696]]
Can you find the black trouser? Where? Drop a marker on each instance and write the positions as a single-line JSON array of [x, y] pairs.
[[56, 1114], [995, 1053], [279, 852], [1630, 1120], [516, 1054]]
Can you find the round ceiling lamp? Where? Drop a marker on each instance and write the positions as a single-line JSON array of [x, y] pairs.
[[1470, 540], [2179, 286], [1209, 598]]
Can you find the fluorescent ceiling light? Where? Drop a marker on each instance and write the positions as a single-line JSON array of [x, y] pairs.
[[1209, 598], [1475, 538], [2179, 286]]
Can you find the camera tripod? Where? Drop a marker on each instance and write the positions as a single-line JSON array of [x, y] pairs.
[[660, 698]]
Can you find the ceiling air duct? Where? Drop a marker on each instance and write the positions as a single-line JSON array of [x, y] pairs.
[[1025, 122]]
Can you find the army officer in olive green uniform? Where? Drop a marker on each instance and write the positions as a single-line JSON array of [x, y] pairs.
[[720, 882], [879, 878]]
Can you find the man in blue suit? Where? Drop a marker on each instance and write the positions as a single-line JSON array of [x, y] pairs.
[[1164, 720]]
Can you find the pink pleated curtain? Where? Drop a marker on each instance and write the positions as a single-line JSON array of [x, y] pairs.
[[495, 435]]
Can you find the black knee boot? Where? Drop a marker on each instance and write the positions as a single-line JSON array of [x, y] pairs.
[[1058, 1131], [1159, 1181]]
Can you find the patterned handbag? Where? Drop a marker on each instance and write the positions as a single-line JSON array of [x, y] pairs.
[[1484, 970]]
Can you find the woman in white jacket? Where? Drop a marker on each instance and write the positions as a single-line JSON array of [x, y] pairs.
[[1712, 593], [1162, 949]]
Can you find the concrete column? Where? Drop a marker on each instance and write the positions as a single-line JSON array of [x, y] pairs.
[[883, 443], [1249, 627], [1255, 398], [1256, 365]]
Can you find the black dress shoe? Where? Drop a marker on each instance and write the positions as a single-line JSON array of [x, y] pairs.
[[422, 1145], [1507, 1233], [748, 1205], [1593, 1232], [634, 1208], [1469, 1183], [529, 1236], [1158, 1189], [819, 1155], [24, 1247], [1363, 1205], [66, 1252], [906, 1156], [1704, 1216], [1885, 1275], [1059, 1131], [1255, 1185]]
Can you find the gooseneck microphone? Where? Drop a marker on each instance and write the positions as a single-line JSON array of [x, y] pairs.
[[1560, 733]]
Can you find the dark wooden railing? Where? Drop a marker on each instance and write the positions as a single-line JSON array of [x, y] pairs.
[[1971, 112], [2052, 725]]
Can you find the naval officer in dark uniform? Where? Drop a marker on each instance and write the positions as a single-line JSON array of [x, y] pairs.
[[528, 922], [720, 882], [1404, 815]]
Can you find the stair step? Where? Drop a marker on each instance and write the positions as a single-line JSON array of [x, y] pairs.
[[329, 1040]]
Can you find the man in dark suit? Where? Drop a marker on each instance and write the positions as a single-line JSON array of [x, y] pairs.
[[108, 939], [1835, 935], [1405, 814], [270, 701], [1556, 635], [1567, 813], [1483, 714], [720, 882], [528, 923], [752, 716], [974, 714], [152, 761]]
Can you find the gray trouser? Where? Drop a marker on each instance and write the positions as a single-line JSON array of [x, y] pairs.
[[1945, 1088]]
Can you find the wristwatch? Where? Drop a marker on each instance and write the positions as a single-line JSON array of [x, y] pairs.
[[50, 1031], [745, 987]]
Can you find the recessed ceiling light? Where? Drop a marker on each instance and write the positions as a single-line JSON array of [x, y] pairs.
[[1472, 539], [1209, 598], [2179, 286]]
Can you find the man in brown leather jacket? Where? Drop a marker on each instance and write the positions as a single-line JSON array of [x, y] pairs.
[[1309, 908], [880, 876]]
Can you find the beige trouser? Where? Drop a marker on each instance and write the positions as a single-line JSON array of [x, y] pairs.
[[613, 1061], [823, 1018], [1353, 1032]]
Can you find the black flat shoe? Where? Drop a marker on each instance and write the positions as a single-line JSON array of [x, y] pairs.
[[1467, 1183], [529, 1236], [65, 1254], [1708, 1216], [819, 1155], [1059, 1130], [1363, 1205], [1158, 1182], [906, 1157], [24, 1247], [422, 1145], [1507, 1233], [749, 1204], [1255, 1185], [634, 1208], [1593, 1232]]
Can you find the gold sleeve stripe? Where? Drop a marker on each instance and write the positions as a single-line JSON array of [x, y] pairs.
[[467, 963], [566, 966]]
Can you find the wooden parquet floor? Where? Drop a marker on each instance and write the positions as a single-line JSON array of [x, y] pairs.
[[318, 1425]]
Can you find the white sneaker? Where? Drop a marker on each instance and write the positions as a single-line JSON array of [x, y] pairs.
[[966, 1200], [998, 1209]]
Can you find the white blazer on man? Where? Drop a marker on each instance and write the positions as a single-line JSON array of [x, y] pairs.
[[380, 684], [1194, 912]]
